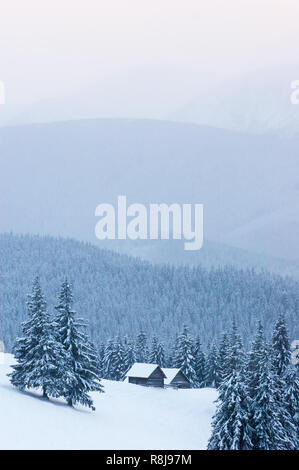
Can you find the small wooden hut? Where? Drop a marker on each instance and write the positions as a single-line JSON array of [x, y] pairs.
[[148, 375], [176, 378]]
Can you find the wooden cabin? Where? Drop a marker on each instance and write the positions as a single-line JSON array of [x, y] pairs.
[[148, 375], [176, 378]]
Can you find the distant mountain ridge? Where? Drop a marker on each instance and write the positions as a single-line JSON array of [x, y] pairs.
[[54, 175], [257, 103]]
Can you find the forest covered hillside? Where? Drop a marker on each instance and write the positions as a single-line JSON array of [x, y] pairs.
[[211, 255], [120, 294]]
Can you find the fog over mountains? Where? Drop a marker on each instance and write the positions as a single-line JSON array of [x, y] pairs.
[[54, 175], [256, 103]]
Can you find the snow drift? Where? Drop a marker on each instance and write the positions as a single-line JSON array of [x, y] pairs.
[[127, 417]]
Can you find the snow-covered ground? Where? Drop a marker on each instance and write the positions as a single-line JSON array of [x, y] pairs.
[[127, 417]]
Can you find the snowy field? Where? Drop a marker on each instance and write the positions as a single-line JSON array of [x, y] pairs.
[[127, 417]]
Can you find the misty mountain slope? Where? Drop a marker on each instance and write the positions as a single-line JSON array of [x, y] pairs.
[[257, 103], [120, 295], [211, 255], [124, 94], [54, 175]]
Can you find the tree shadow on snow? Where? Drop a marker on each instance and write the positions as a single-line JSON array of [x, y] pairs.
[[37, 395]]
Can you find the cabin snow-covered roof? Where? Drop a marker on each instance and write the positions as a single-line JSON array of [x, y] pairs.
[[142, 370], [171, 374]]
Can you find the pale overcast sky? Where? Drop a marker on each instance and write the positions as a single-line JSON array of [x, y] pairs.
[[52, 48]]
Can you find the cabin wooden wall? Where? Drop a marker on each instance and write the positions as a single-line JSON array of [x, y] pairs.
[[156, 379], [180, 381], [137, 380]]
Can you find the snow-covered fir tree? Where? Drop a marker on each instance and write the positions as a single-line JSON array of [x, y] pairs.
[[291, 395], [94, 358], [200, 364], [281, 353], [235, 352], [254, 360], [81, 363], [40, 358], [157, 355], [141, 349], [230, 426], [101, 353], [154, 351], [271, 424], [230, 429], [285, 397], [212, 374], [222, 356], [119, 360], [129, 354], [108, 365], [269, 433], [184, 355], [283, 376], [114, 362], [171, 356]]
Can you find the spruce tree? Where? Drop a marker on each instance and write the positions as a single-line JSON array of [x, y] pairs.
[[154, 351], [269, 432], [108, 365], [40, 358], [184, 356], [280, 347], [222, 356], [254, 360], [129, 355], [291, 396], [94, 360], [81, 362], [289, 441], [157, 355], [212, 377], [257, 360], [141, 349], [171, 358], [161, 355], [101, 353], [235, 352], [114, 363], [200, 364], [230, 426], [271, 424], [230, 429], [119, 360], [285, 381]]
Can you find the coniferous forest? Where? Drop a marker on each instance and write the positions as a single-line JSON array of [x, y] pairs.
[[122, 296], [225, 328], [258, 401]]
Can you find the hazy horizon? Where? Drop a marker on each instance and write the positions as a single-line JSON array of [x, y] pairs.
[[141, 59]]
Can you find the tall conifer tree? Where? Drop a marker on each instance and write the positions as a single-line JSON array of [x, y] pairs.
[[40, 358], [81, 363], [184, 356]]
